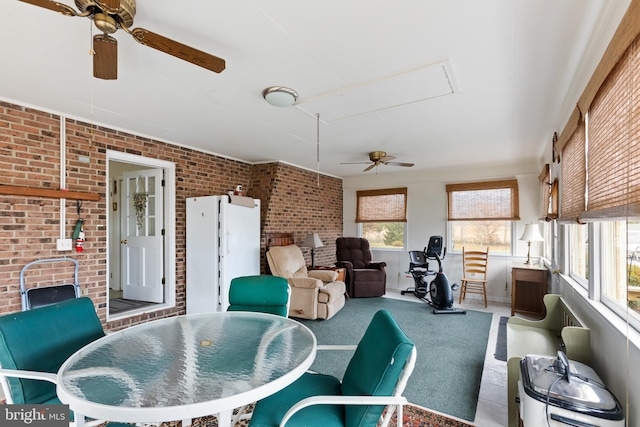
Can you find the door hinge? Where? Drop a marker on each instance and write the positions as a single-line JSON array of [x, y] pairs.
[[162, 232], [162, 183], [163, 280]]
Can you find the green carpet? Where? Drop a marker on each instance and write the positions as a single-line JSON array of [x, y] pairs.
[[451, 350]]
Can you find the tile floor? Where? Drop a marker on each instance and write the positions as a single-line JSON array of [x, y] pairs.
[[492, 403]]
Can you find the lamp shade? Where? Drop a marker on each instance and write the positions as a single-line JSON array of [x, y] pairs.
[[312, 241], [532, 233]]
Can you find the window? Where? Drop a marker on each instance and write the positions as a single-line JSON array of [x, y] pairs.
[[578, 254], [481, 215], [382, 217], [612, 195], [620, 253], [549, 230]]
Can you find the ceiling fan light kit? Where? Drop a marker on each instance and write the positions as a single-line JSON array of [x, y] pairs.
[[111, 15], [280, 96]]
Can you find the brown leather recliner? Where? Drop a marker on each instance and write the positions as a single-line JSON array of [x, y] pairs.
[[364, 278]]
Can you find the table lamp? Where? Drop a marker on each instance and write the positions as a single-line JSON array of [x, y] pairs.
[[312, 241], [531, 234]]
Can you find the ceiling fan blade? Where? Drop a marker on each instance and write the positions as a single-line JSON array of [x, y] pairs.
[[105, 57], [407, 165], [53, 5], [385, 159], [370, 167], [355, 163], [178, 50]]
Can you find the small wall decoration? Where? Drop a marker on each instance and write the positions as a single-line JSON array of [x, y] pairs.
[[140, 203], [554, 150]]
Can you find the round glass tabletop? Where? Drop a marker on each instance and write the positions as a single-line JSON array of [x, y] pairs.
[[186, 366]]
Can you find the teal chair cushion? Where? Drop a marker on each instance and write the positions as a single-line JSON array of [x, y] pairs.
[[373, 370], [41, 340], [265, 294], [375, 367], [269, 411]]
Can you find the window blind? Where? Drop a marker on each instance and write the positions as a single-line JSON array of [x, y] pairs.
[[573, 181], [613, 160], [480, 201], [627, 31], [387, 205]]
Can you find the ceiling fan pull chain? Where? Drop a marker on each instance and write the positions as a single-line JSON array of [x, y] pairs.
[[91, 51], [318, 145]]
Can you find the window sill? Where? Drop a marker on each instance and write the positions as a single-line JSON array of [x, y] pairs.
[[388, 249]]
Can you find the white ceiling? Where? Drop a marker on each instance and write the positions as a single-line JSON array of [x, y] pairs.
[[440, 83]]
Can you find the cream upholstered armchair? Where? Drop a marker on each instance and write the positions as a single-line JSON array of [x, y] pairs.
[[314, 294]]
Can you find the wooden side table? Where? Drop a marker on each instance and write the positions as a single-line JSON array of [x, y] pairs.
[[528, 287]]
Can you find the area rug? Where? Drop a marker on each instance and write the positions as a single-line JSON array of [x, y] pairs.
[[501, 342], [413, 416], [451, 350]]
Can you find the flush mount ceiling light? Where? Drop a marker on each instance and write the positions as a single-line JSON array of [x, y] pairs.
[[280, 96]]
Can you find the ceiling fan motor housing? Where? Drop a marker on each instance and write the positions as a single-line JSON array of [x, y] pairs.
[[376, 156], [125, 14]]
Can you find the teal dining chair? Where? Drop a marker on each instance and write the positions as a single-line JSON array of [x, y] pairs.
[[265, 294], [35, 343], [375, 378]]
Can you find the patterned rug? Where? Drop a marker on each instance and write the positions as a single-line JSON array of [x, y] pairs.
[[413, 416]]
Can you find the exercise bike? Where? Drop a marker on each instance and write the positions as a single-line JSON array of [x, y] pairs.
[[438, 293]]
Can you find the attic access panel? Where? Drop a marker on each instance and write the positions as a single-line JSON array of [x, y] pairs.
[[415, 85]]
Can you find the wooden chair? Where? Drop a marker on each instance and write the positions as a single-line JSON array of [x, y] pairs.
[[474, 274]]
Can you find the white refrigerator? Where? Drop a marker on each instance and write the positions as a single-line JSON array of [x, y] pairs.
[[222, 242]]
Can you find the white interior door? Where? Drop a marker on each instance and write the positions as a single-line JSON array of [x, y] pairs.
[[141, 241]]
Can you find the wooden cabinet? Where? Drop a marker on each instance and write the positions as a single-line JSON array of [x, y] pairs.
[[528, 287]]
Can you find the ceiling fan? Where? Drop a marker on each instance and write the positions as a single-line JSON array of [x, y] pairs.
[[111, 15], [379, 158]]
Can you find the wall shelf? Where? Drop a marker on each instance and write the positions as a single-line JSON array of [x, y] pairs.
[[13, 190]]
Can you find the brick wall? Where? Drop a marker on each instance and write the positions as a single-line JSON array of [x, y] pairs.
[[294, 201], [291, 200]]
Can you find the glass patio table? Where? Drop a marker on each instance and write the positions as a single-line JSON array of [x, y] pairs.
[[185, 367]]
